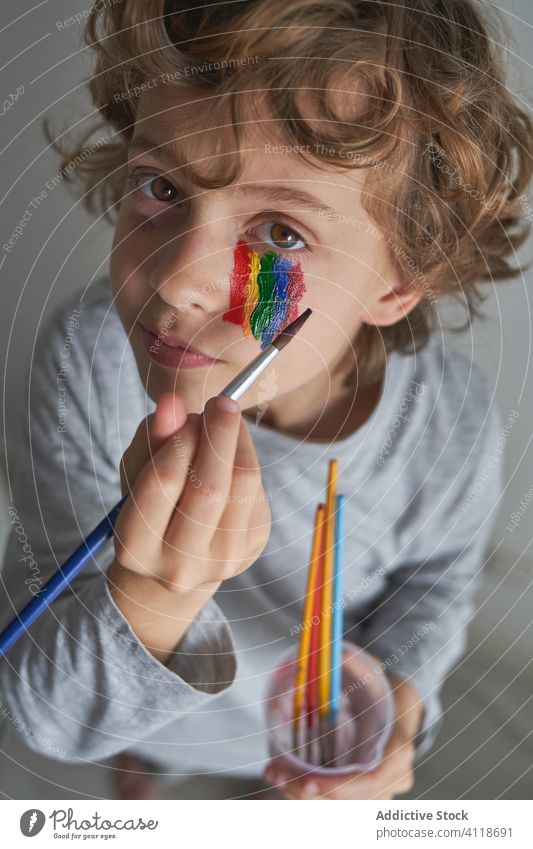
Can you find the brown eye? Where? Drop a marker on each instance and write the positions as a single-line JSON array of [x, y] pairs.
[[279, 236], [282, 237], [162, 189], [156, 188]]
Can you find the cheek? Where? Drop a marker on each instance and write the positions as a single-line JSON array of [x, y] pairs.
[[131, 241], [126, 267], [338, 292], [265, 292]]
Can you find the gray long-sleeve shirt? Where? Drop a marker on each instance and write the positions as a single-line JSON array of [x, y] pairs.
[[422, 479]]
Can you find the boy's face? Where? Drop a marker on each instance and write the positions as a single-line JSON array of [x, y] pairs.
[[173, 253]]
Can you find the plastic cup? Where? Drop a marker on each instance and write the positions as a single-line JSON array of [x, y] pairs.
[[363, 726]]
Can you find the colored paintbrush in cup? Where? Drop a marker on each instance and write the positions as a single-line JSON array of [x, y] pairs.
[[319, 677]]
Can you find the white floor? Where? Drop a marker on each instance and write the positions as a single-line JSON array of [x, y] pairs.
[[485, 749]]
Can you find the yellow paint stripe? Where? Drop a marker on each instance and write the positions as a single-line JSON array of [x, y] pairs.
[[252, 292]]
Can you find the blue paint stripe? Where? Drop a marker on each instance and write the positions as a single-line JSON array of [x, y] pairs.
[[280, 304]]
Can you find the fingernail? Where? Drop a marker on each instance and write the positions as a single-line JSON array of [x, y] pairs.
[[223, 402], [312, 789]]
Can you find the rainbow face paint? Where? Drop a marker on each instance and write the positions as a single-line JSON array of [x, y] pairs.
[[264, 292]]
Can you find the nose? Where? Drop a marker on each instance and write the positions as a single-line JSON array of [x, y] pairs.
[[192, 270]]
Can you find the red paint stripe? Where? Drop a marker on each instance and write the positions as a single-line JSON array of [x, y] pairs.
[[238, 284]]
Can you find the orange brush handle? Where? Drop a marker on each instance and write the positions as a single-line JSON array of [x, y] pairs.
[[305, 639]]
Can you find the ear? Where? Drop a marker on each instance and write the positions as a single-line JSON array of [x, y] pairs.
[[393, 306]]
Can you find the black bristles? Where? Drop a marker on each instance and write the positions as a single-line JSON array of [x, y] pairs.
[[286, 335]]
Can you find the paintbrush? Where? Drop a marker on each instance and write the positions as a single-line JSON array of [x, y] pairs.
[[104, 530], [337, 627], [251, 372]]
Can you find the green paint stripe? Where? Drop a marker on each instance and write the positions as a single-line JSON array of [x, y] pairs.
[[262, 314]]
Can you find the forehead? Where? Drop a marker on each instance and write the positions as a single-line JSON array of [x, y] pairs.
[[189, 126]]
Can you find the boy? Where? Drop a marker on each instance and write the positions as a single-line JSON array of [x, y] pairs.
[[226, 136]]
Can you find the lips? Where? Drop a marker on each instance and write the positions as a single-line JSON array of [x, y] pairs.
[[172, 340], [171, 351]]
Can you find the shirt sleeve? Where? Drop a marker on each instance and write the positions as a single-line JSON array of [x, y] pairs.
[[418, 626], [79, 681]]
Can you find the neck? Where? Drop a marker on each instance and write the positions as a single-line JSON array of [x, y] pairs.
[[321, 409]]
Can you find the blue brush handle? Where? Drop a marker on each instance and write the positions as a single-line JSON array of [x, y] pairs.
[[337, 627], [61, 579]]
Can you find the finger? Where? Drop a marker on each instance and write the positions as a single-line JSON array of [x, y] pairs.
[[145, 517], [204, 497], [398, 773], [292, 784], [352, 662], [288, 794], [246, 485], [391, 777], [285, 782], [409, 705], [245, 523], [310, 786], [168, 417], [313, 786]]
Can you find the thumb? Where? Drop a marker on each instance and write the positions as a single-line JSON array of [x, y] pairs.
[[169, 416]]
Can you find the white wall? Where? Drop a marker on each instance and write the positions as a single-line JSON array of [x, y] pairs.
[[62, 248], [502, 344]]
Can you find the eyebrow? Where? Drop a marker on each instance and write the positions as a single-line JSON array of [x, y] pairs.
[[295, 198]]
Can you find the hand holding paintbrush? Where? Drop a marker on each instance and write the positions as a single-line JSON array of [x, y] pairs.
[[197, 515], [172, 557]]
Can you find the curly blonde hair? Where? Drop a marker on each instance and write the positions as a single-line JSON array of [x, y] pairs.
[[448, 148]]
